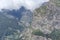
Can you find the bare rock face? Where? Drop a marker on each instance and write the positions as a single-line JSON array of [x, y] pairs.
[[47, 17], [56, 2]]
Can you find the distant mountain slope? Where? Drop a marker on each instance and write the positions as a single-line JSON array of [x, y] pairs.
[[6, 24], [13, 20], [17, 13]]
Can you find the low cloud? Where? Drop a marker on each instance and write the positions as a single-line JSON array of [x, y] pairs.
[[16, 4]]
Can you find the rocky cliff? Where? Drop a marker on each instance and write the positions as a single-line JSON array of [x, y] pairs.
[[41, 24], [46, 18]]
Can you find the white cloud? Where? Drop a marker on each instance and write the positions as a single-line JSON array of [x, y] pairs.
[[15, 4]]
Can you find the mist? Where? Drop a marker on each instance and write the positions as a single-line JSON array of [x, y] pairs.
[[16, 4]]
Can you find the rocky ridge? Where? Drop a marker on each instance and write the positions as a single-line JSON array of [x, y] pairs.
[[46, 18]]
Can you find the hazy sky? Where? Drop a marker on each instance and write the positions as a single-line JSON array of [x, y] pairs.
[[16, 4]]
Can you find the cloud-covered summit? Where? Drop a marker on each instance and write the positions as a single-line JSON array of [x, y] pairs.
[[16, 4]]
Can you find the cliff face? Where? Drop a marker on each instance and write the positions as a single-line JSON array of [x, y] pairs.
[[46, 18]]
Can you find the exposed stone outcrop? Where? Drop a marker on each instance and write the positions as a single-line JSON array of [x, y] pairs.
[[47, 18]]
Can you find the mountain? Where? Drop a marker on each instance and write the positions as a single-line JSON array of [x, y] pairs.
[[12, 21], [45, 22], [15, 13], [22, 24]]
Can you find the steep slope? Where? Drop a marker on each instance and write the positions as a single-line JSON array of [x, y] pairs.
[[42, 24], [48, 15], [46, 18]]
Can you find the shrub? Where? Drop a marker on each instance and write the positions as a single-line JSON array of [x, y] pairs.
[[38, 32], [55, 35]]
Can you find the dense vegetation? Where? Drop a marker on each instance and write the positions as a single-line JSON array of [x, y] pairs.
[[38, 32], [55, 35]]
